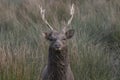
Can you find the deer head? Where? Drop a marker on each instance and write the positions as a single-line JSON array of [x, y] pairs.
[[58, 39]]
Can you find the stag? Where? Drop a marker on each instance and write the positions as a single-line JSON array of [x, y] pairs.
[[58, 66]]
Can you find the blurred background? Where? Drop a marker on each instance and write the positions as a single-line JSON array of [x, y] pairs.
[[94, 50]]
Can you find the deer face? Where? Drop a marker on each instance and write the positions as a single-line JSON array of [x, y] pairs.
[[58, 39]]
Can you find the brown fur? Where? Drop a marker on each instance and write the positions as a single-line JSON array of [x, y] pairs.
[[58, 67]]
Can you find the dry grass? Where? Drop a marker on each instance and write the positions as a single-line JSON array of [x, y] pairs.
[[94, 50]]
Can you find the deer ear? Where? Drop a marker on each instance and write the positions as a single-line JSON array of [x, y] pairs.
[[46, 35], [69, 34]]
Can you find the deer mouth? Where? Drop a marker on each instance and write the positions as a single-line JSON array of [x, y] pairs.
[[58, 48]]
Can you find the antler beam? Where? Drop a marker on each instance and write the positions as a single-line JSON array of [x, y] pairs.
[[72, 11], [42, 11]]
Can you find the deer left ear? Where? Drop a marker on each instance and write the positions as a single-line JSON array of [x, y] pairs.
[[69, 34]]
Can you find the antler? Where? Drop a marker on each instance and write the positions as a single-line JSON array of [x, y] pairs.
[[42, 11], [72, 11]]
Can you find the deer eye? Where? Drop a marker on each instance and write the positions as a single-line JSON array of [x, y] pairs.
[[64, 39], [52, 39]]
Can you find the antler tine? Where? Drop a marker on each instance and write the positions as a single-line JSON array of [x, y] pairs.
[[72, 11], [42, 11]]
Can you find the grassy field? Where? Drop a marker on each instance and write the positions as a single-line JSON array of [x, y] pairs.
[[94, 50]]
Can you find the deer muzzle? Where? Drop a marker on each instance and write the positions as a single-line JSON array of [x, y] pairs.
[[58, 45]]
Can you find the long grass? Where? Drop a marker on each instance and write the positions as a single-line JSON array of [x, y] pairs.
[[94, 49]]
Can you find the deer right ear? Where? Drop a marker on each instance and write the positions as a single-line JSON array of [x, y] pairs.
[[46, 35]]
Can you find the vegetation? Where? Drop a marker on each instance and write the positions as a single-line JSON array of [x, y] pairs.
[[94, 49]]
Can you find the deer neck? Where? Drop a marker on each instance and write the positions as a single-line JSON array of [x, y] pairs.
[[58, 62], [58, 58]]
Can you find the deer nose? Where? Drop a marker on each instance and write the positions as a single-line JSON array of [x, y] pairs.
[[57, 45]]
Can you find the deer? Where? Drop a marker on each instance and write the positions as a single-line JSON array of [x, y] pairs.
[[58, 64]]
